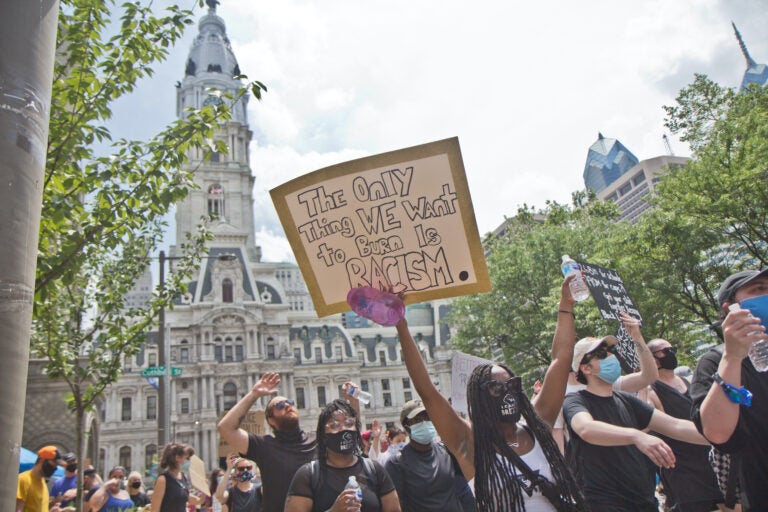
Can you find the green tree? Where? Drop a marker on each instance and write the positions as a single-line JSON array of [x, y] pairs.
[[712, 216], [519, 313], [103, 215]]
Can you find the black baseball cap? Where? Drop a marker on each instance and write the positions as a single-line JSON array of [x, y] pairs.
[[735, 281]]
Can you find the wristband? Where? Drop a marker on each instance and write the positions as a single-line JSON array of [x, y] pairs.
[[741, 396], [566, 312]]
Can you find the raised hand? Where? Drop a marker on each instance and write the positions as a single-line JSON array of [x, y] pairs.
[[267, 385]]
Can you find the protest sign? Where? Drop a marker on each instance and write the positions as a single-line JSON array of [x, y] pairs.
[[462, 366], [252, 422], [611, 298], [402, 219], [197, 475]]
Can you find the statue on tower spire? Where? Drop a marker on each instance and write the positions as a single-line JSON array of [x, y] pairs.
[[212, 4]]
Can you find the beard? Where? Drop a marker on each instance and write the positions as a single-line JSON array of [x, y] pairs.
[[286, 423]]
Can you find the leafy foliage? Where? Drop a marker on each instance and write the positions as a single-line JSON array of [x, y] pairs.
[[103, 215], [710, 220]]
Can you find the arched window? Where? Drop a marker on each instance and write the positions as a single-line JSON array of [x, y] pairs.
[[230, 395], [216, 198], [149, 453], [226, 290], [125, 457]]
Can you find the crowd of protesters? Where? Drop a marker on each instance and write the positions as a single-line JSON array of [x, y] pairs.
[[588, 439]]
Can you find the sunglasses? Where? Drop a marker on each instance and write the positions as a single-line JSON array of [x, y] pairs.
[[666, 351], [282, 404], [497, 388], [600, 352], [244, 468]]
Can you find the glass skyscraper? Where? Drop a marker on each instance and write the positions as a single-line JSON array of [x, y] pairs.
[[607, 160]]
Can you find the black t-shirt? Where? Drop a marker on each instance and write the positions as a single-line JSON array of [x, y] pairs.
[[244, 501], [414, 471], [750, 439], [278, 458], [613, 477], [140, 499], [332, 481], [692, 479], [176, 493]]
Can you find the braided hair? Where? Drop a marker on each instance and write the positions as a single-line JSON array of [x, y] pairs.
[[496, 485], [325, 416]]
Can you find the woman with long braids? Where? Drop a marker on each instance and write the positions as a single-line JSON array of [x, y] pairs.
[[319, 486], [516, 466]]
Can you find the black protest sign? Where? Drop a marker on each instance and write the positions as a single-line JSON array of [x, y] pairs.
[[402, 219], [612, 298]]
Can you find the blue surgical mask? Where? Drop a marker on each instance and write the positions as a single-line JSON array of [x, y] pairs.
[[185, 466], [610, 369], [424, 432], [758, 306]]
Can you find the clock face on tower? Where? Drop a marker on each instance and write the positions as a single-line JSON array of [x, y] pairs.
[[212, 100]]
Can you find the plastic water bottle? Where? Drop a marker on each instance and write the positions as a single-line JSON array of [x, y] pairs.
[[758, 351], [352, 484], [382, 307], [579, 289], [356, 392]]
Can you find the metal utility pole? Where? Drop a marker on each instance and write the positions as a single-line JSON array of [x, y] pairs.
[[163, 382], [27, 46]]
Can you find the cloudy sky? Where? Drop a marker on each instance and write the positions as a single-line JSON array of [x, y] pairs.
[[526, 86]]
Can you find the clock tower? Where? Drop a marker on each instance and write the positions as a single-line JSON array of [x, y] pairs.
[[224, 179]]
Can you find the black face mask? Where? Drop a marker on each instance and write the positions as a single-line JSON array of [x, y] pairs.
[[509, 409], [136, 485], [669, 361], [48, 470], [72, 467], [343, 442]]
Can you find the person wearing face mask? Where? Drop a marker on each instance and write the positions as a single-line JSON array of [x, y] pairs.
[[64, 490], [423, 464], [172, 488], [136, 490], [244, 495], [112, 496], [31, 490], [395, 441], [611, 456], [319, 486], [690, 486], [506, 448], [278, 455], [725, 377]]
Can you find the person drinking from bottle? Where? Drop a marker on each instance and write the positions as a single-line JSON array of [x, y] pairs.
[[729, 393], [320, 485]]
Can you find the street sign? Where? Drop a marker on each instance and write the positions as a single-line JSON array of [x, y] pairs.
[[159, 371], [153, 371]]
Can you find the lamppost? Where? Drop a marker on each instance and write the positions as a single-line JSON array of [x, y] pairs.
[[164, 382]]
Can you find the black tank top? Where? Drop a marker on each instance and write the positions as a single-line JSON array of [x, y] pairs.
[[176, 494]]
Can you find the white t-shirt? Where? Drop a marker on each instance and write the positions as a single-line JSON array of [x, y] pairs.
[[536, 460]]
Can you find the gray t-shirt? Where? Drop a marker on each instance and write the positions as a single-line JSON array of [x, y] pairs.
[[424, 480]]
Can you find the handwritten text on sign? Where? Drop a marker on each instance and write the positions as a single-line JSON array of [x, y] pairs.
[[612, 298], [402, 219]]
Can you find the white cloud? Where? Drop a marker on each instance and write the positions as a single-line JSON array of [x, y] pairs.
[[525, 86]]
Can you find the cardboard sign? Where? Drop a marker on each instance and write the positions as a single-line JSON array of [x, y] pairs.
[[611, 297], [402, 219], [253, 422], [197, 475], [462, 366]]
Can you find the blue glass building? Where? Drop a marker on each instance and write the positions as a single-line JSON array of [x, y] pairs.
[[607, 160], [755, 73]]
